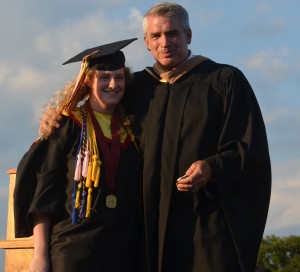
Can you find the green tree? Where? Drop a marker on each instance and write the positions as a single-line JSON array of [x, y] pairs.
[[280, 254]]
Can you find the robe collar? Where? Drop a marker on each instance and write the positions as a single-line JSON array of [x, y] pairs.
[[158, 72]]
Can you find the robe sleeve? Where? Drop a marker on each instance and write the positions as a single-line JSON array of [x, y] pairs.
[[241, 168], [41, 177], [243, 137]]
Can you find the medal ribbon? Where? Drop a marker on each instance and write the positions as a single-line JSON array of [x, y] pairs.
[[112, 156]]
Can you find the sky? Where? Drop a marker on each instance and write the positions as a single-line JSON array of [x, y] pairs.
[[259, 37]]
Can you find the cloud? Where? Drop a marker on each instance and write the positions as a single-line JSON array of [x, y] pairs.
[[135, 20], [284, 208], [69, 38], [206, 17], [274, 66], [283, 130], [264, 24], [272, 116], [263, 7], [25, 79], [3, 73]]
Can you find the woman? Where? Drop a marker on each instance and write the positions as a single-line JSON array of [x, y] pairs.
[[77, 189]]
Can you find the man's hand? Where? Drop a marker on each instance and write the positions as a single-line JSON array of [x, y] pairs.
[[196, 177]]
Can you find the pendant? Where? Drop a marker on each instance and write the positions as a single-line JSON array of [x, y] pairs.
[[111, 201]]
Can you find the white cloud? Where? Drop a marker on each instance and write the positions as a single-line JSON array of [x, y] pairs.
[[272, 116], [207, 18], [25, 79], [284, 208], [264, 25], [3, 73], [273, 65], [135, 20], [264, 7]]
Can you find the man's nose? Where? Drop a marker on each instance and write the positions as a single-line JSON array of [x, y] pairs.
[[164, 41]]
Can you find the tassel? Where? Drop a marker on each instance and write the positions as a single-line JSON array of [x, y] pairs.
[[89, 203], [85, 165], [96, 170], [74, 210], [88, 182], [78, 168], [77, 201], [82, 206]]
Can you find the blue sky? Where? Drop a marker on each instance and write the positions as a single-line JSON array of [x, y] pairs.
[[260, 37]]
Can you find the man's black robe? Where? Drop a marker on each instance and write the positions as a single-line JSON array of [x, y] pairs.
[[210, 114], [106, 241]]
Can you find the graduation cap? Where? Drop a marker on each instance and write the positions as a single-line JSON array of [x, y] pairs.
[[104, 57]]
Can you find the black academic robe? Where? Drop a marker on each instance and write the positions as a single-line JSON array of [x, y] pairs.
[[210, 114], [108, 239]]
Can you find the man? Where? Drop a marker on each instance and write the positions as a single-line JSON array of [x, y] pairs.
[[200, 119]]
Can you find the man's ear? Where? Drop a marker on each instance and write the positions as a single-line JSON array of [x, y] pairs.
[[189, 36], [146, 42]]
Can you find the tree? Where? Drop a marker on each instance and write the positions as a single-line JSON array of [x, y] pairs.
[[280, 254]]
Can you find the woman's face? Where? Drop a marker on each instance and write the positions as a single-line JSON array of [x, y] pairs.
[[107, 90]]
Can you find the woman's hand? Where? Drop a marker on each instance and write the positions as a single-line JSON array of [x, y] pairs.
[[39, 263]]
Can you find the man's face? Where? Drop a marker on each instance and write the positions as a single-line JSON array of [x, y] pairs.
[[167, 40]]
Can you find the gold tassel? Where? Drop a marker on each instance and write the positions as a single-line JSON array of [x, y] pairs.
[[89, 203], [77, 201], [95, 157], [126, 126], [96, 170], [88, 182]]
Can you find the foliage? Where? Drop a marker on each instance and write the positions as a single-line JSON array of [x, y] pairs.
[[280, 254]]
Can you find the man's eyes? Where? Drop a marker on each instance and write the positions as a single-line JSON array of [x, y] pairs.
[[169, 34]]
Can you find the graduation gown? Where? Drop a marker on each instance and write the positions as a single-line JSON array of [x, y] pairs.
[[210, 114], [108, 239]]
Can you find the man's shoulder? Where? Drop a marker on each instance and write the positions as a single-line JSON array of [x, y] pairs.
[[144, 77], [141, 73], [214, 65], [221, 70]]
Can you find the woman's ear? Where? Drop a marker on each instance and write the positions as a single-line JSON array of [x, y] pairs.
[[91, 79]]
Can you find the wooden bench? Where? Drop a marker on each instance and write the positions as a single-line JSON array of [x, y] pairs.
[[18, 251]]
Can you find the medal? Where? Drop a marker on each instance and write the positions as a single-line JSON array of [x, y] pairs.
[[111, 201]]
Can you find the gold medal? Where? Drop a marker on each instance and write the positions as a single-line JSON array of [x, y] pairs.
[[111, 201]]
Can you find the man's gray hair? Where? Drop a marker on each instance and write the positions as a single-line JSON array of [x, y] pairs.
[[167, 9]]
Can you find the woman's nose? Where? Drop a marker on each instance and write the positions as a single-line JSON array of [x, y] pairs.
[[112, 83]]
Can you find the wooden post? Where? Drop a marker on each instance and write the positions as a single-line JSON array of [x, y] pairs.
[[19, 251]]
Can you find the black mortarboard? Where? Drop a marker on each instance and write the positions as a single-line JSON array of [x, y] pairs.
[[104, 57]]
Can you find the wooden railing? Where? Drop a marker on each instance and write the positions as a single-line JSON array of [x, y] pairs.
[[18, 251]]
